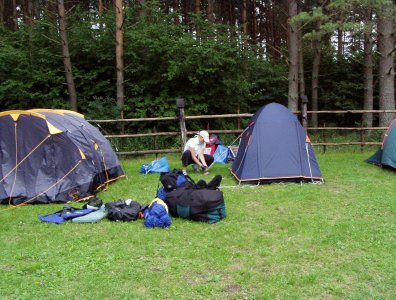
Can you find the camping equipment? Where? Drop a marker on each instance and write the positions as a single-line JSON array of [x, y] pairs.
[[93, 216], [156, 166], [174, 179], [198, 204], [222, 155], [123, 210], [49, 156], [274, 147], [386, 155], [93, 203], [67, 213], [156, 214]]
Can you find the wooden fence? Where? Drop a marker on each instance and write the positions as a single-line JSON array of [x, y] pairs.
[[182, 118]]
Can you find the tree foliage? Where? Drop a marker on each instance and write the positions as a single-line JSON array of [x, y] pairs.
[[218, 64]]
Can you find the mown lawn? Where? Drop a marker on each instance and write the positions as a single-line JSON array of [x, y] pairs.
[[282, 241]]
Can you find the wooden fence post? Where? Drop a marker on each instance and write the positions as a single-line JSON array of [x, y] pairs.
[[182, 121]]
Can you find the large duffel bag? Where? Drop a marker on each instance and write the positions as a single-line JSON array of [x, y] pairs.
[[198, 204]]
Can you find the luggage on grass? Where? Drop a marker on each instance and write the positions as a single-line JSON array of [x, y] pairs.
[[198, 204], [123, 210]]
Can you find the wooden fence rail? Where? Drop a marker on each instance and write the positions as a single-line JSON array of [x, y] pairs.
[[183, 132]]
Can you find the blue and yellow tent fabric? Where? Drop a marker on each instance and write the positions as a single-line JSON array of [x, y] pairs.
[[51, 156]]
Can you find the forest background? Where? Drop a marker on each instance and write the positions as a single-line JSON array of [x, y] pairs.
[[108, 58]]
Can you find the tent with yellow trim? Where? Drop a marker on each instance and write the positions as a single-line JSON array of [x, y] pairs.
[[52, 156]]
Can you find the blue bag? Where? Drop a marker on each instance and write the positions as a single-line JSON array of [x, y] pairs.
[[156, 166], [222, 154]]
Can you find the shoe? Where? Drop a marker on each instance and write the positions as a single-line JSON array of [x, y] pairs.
[[195, 167], [202, 184], [184, 172], [215, 182]]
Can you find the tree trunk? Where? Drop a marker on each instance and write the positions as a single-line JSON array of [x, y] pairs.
[[340, 42], [244, 18], [14, 15], [315, 74], [2, 12], [253, 31], [8, 14], [293, 58], [142, 8], [386, 64], [210, 11], [197, 6], [100, 7], [120, 54], [368, 73], [66, 56], [28, 12], [301, 78], [175, 10]]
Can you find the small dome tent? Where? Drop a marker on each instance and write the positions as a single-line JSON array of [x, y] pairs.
[[386, 155], [52, 156], [274, 147]]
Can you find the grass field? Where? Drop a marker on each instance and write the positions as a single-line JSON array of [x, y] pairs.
[[279, 241]]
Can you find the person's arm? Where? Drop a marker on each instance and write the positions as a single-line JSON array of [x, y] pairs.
[[202, 159], [204, 166]]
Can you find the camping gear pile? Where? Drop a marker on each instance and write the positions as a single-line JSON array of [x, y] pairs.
[[155, 214], [199, 201]]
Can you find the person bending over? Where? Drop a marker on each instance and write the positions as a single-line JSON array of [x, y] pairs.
[[194, 152]]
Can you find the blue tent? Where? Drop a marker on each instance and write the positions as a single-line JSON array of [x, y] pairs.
[[275, 147]]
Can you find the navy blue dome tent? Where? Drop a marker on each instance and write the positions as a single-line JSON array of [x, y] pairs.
[[49, 156], [274, 147]]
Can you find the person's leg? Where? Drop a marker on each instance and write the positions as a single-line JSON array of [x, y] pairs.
[[186, 160], [209, 159]]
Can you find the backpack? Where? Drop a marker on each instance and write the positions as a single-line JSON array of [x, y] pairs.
[[174, 179], [123, 210], [198, 204]]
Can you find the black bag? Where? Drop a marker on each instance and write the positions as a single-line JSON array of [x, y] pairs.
[[198, 204], [174, 179], [123, 210]]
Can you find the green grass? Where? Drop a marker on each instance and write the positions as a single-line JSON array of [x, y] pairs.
[[282, 241]]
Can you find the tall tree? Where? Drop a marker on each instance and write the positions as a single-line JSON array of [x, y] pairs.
[[28, 12], [14, 15], [100, 7], [2, 12], [293, 57], [368, 70], [197, 6], [316, 45], [301, 78], [386, 63], [66, 56], [119, 10], [210, 10]]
